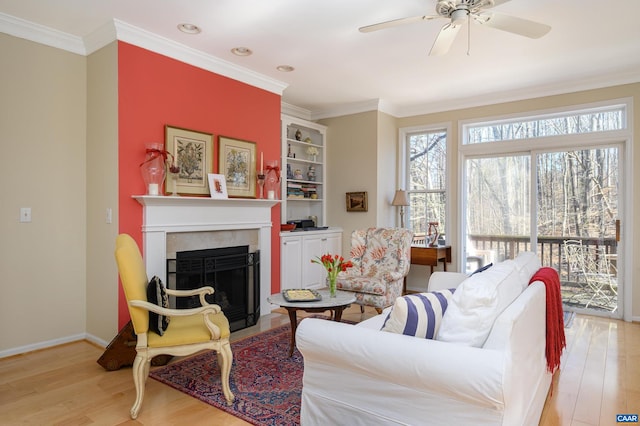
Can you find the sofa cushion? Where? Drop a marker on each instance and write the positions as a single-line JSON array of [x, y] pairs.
[[157, 295], [477, 302], [418, 314]]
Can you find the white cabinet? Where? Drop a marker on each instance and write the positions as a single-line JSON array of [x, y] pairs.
[[303, 170], [297, 249]]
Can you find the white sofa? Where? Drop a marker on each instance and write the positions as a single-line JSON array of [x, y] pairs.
[[359, 375]]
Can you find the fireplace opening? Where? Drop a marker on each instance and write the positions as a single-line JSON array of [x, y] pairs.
[[234, 274]]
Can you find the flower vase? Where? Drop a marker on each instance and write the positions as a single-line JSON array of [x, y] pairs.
[[332, 286], [272, 181], [174, 179], [152, 168]]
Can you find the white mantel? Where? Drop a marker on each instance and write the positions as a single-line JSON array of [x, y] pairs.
[[164, 215]]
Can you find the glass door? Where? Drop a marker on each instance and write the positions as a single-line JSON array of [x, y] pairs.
[[569, 216], [577, 224]]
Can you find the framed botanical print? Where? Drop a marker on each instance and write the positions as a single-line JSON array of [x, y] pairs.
[[192, 153], [237, 163]]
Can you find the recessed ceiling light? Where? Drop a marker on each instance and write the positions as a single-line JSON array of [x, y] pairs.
[[285, 68], [189, 28], [241, 51]]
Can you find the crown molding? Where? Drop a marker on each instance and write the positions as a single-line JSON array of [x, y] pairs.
[[295, 111], [356, 108], [611, 79], [40, 34], [119, 30], [150, 41]]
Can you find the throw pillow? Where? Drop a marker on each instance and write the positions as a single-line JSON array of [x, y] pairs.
[[477, 303], [418, 314], [157, 295]]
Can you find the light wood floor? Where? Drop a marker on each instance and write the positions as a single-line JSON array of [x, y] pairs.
[[600, 378]]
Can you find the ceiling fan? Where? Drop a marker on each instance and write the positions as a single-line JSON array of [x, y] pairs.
[[461, 11]]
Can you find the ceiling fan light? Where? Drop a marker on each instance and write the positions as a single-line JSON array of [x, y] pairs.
[[459, 16]]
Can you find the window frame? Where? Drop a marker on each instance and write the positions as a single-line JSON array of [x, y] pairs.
[[403, 169]]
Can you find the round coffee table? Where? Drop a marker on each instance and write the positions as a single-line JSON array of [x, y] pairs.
[[334, 304]]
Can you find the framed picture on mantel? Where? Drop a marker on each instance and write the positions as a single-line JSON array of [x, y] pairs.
[[193, 155], [237, 163]]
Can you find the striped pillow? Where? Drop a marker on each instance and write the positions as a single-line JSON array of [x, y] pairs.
[[418, 314]]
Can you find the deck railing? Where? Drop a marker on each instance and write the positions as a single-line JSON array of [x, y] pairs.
[[551, 253]]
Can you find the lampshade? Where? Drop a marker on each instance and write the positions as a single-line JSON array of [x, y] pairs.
[[401, 198]]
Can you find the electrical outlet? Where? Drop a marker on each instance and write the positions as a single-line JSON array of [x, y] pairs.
[[25, 214]]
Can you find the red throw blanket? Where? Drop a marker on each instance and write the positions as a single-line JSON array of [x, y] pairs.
[[555, 318]]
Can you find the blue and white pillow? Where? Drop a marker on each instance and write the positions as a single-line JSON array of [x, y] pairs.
[[418, 314]]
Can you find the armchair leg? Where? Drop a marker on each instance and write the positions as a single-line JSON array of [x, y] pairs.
[[140, 373], [225, 359]]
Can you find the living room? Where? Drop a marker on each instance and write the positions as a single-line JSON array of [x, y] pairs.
[[82, 123]]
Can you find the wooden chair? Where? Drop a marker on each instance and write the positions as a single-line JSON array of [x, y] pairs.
[[189, 330]]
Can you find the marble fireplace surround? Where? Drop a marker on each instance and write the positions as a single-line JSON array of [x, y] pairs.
[[163, 216]]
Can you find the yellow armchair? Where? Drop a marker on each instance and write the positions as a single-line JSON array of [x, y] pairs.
[[189, 331]]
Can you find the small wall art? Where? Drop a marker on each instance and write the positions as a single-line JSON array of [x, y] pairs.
[[357, 201]]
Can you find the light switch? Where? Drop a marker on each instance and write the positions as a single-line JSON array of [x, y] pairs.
[[109, 215], [25, 214]]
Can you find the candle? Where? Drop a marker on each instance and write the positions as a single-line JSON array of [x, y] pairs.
[[153, 189], [261, 162], [271, 195]]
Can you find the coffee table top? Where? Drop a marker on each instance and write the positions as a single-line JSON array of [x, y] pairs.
[[342, 298]]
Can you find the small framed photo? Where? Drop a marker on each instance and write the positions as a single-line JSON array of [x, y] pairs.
[[193, 156], [217, 186], [357, 202], [237, 163]]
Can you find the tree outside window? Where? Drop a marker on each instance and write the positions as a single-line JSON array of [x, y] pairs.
[[426, 177]]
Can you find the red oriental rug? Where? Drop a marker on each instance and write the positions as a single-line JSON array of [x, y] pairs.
[[266, 383]]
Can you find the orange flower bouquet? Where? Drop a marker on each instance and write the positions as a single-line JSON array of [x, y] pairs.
[[334, 264]]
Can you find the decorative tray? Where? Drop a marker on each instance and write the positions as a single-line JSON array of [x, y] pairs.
[[301, 295]]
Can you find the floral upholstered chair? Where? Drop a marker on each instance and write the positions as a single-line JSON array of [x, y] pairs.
[[381, 259]]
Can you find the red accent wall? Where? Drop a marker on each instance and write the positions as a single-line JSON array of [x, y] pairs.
[[154, 90]]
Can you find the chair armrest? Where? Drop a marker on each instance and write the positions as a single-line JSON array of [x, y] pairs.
[[392, 276], [208, 309], [202, 292]]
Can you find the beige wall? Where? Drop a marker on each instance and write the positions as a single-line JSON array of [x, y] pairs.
[[43, 153], [102, 192], [351, 164]]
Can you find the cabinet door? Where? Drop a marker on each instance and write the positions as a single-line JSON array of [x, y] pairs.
[[313, 274], [333, 244], [291, 263]]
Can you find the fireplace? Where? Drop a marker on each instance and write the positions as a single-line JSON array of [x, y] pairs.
[[234, 274], [165, 217]]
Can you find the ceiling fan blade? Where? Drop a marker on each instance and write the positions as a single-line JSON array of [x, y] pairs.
[[512, 24], [395, 22], [499, 2], [444, 40]]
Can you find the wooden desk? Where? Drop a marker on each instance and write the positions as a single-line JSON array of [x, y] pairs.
[[429, 256]]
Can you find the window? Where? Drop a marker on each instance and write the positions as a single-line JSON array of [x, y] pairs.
[[565, 123], [426, 159]]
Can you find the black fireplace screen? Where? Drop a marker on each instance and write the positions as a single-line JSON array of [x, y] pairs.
[[234, 274]]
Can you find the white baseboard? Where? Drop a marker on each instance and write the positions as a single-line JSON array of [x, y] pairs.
[[51, 343]]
